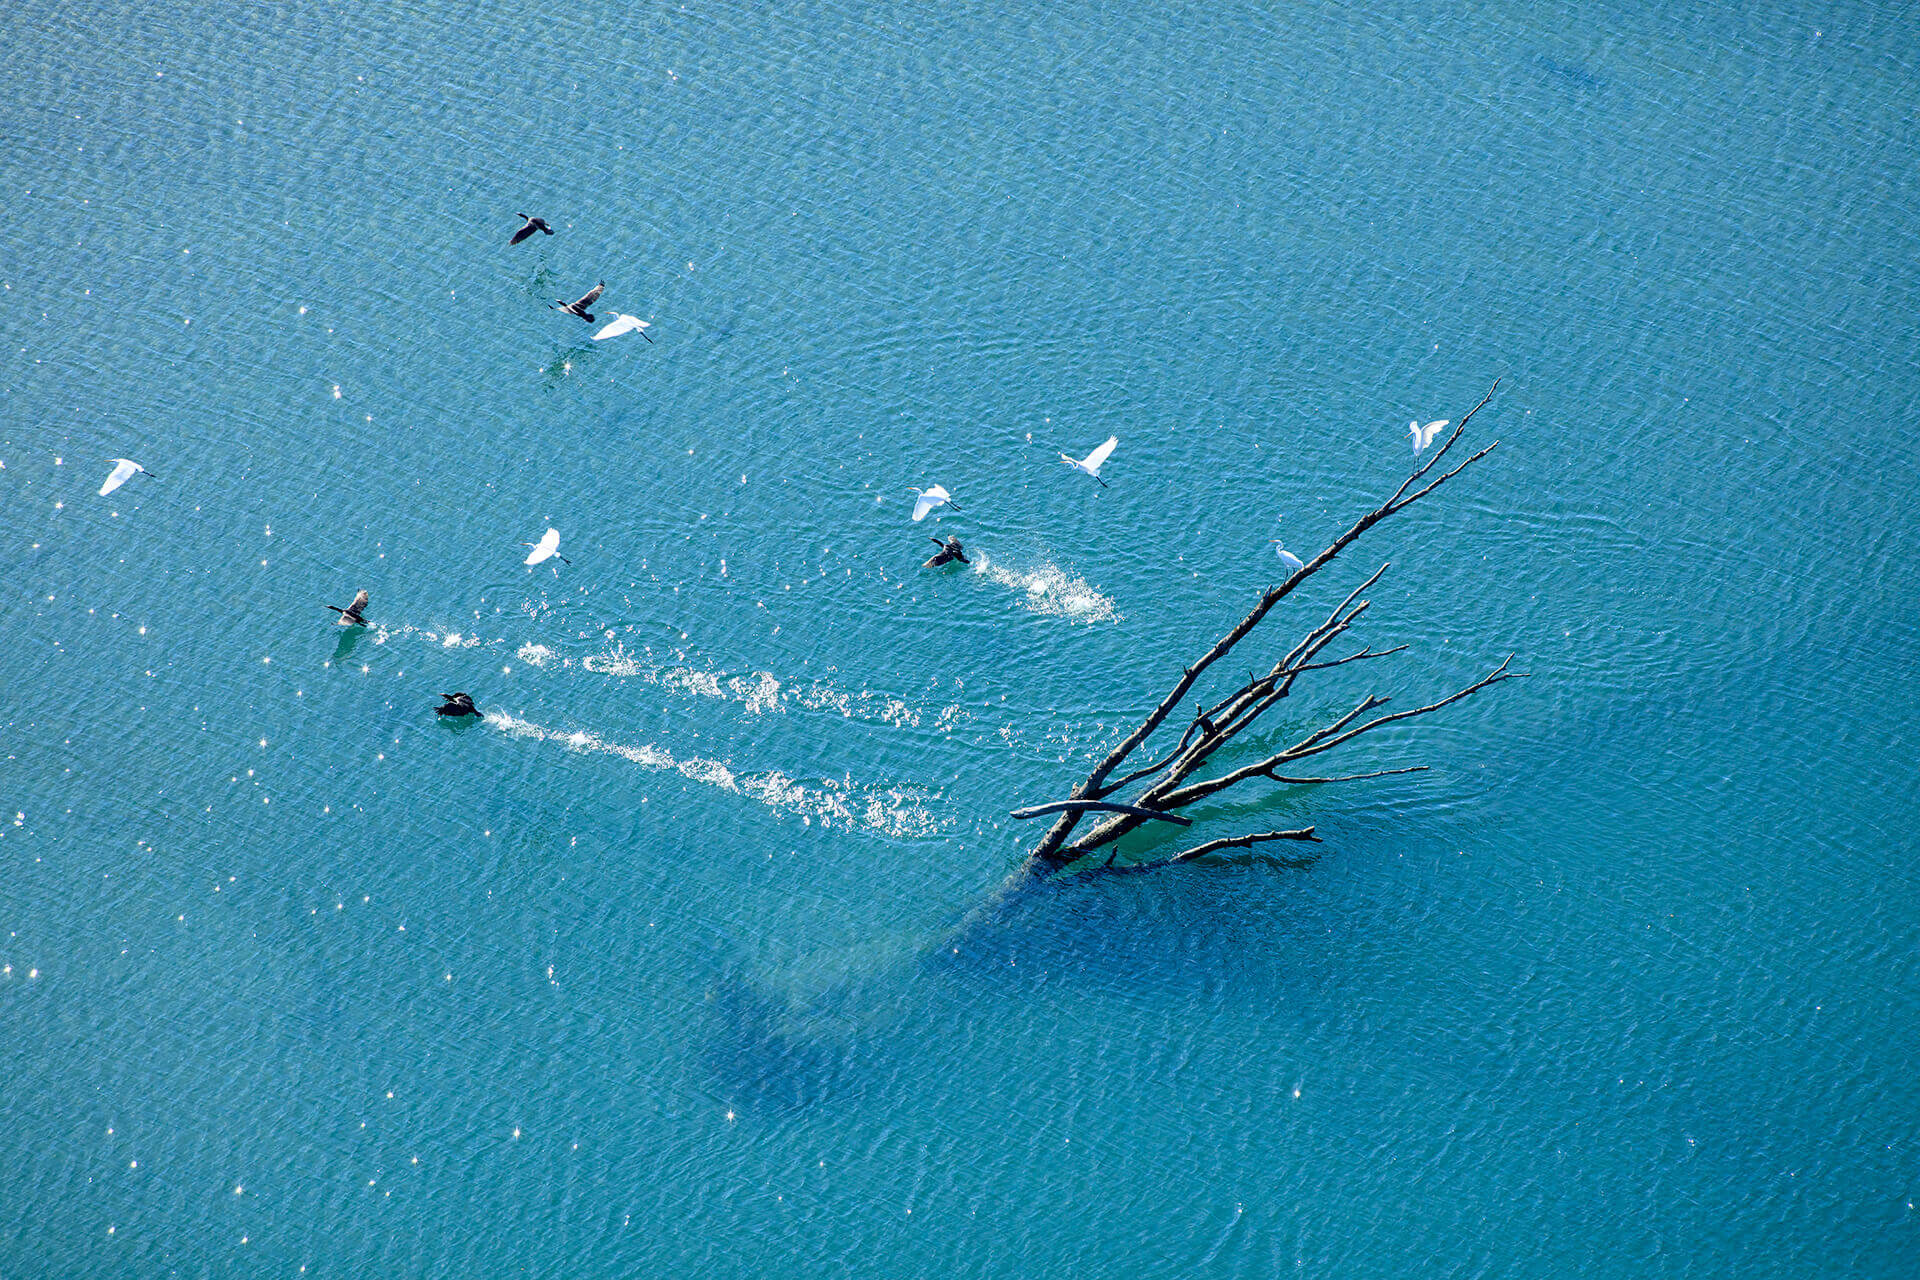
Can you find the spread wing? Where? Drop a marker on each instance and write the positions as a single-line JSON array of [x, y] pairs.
[[523, 233], [925, 503], [122, 472], [549, 545], [1098, 457], [593, 296], [359, 602], [621, 324]]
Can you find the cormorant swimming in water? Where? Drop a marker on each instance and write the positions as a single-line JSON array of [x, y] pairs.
[[457, 704], [949, 551], [350, 616], [580, 308], [533, 224]]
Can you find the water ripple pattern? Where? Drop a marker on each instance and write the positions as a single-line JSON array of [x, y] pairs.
[[689, 956]]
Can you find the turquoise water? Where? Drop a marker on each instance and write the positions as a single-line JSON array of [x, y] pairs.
[[649, 974]]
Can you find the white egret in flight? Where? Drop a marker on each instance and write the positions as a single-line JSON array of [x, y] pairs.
[[1423, 436], [123, 469], [622, 324], [1287, 558], [928, 499], [546, 548], [1094, 461]]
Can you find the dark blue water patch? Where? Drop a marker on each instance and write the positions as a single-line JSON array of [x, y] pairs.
[[1569, 74]]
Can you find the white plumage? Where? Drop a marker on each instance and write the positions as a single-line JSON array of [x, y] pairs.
[[123, 469], [1091, 464], [546, 548], [929, 499], [1287, 558], [1423, 436], [622, 324]]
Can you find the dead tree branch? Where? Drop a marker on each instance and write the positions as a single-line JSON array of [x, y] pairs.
[[1060, 806], [1167, 786], [1240, 842]]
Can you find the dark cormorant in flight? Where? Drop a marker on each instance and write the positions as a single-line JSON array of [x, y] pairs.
[[533, 224], [457, 704], [350, 616], [580, 308], [949, 551]]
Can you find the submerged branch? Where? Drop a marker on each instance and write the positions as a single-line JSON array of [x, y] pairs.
[[1498, 674], [1064, 806], [1240, 842], [1212, 728]]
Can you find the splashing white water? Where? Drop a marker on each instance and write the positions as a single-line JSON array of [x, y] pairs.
[[1050, 590], [763, 693], [538, 655], [890, 811], [446, 640]]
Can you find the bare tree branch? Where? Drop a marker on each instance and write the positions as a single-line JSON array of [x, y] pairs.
[[1368, 652], [1441, 452], [1320, 740], [1347, 777], [1240, 842], [1063, 806], [1213, 728], [1498, 674]]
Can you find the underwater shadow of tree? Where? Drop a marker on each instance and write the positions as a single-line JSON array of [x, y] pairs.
[[1186, 937], [767, 1052], [1211, 929]]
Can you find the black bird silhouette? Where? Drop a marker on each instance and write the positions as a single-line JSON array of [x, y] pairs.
[[533, 224], [350, 616], [580, 308], [457, 704], [949, 551]]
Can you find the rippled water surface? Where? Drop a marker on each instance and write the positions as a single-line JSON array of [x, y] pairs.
[[654, 970]]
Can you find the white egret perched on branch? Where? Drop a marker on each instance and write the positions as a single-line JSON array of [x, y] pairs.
[[1094, 461], [546, 548], [1423, 436], [928, 499], [1293, 562], [623, 324], [123, 469]]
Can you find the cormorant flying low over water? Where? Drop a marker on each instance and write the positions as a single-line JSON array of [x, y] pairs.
[[350, 616], [457, 704], [580, 308], [949, 551], [533, 224]]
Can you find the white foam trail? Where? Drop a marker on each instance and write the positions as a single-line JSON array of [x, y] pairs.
[[891, 811], [762, 693], [755, 692], [446, 640], [1050, 590]]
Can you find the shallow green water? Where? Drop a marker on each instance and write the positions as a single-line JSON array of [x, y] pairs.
[[648, 973]]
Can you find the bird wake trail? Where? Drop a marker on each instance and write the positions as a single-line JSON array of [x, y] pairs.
[[1050, 590], [898, 812]]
